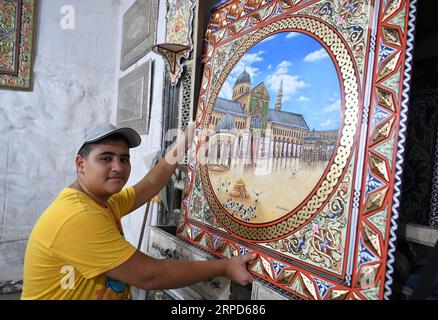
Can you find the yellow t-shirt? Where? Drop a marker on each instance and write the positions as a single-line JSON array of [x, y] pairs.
[[72, 246]]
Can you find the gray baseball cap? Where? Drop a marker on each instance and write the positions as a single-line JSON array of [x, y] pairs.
[[100, 131]]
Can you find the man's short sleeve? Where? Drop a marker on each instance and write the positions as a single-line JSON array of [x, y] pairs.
[[91, 243], [123, 201]]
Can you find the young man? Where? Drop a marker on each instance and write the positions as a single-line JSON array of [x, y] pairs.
[[77, 249]]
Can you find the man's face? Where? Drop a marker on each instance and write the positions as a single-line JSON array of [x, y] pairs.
[[106, 169]]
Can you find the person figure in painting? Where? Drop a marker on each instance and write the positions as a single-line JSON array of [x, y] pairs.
[[77, 249]]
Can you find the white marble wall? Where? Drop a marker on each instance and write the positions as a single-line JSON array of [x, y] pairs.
[[75, 83]]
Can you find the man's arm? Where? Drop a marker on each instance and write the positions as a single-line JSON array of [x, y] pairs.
[[160, 174], [146, 273], [152, 183]]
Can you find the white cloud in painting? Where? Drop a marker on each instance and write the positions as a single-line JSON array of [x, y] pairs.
[[335, 96], [303, 99], [316, 55], [333, 107], [251, 58], [244, 64], [291, 35], [227, 89], [291, 83], [253, 71], [283, 67], [327, 123]]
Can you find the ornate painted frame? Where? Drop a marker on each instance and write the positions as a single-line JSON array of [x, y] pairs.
[[17, 43], [133, 108], [339, 242], [139, 31]]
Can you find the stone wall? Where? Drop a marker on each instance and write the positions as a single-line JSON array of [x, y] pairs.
[[76, 76], [75, 83]]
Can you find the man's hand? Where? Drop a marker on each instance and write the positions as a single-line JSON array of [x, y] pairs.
[[160, 174], [236, 269]]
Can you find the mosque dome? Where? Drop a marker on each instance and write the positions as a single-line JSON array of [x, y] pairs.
[[243, 78]]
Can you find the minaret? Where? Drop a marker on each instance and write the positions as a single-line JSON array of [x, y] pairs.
[[279, 102]]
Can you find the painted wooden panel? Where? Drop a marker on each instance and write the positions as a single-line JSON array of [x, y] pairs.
[[299, 141]]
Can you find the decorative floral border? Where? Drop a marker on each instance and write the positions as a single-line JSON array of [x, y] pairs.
[[23, 48], [180, 29]]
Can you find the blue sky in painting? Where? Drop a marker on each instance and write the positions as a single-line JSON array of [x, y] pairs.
[[310, 81]]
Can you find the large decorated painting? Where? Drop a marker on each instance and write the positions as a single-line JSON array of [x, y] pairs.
[[17, 28], [299, 141]]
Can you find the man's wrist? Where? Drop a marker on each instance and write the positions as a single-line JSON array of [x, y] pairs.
[[223, 264]]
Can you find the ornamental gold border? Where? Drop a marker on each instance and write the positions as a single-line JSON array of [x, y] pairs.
[[23, 80], [351, 116]]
